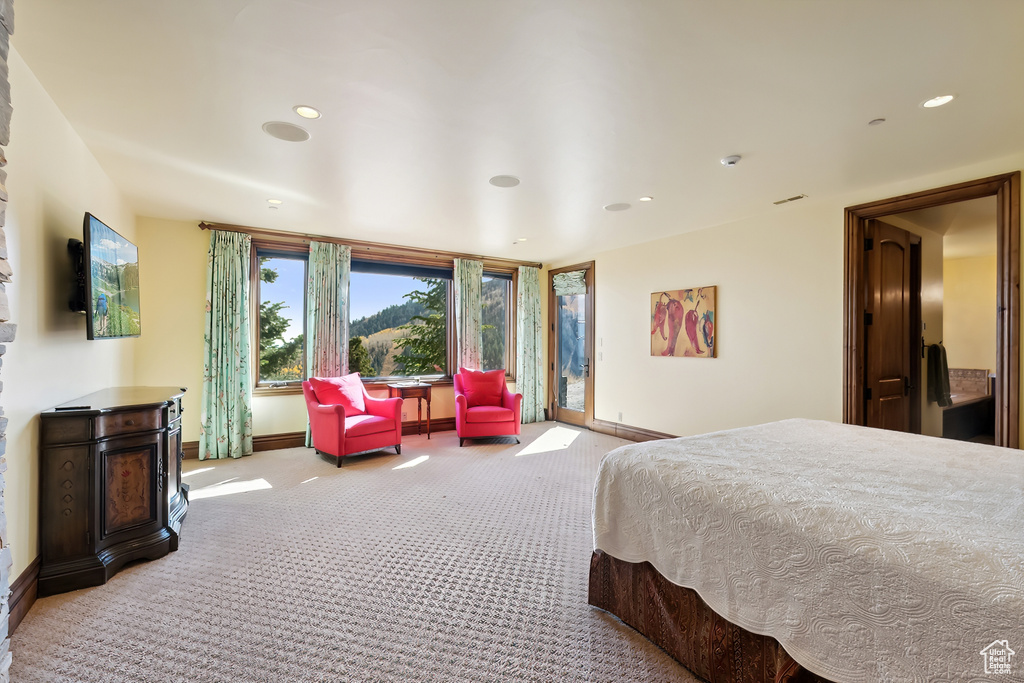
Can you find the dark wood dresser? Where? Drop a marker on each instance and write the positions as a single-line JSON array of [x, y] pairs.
[[110, 484]]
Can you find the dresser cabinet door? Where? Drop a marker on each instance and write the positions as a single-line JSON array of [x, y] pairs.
[[66, 479], [173, 462], [131, 481]]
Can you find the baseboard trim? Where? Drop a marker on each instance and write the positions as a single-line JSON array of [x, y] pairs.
[[438, 424], [270, 442], [24, 591], [628, 432]]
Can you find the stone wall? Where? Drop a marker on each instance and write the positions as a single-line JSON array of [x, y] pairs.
[[7, 328]]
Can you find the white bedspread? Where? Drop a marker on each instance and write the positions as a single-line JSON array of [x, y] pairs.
[[870, 555]]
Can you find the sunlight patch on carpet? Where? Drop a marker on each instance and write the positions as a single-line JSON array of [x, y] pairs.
[[201, 469], [412, 463], [309, 480], [229, 487], [555, 439]]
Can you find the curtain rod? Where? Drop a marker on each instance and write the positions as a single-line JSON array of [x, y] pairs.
[[362, 245]]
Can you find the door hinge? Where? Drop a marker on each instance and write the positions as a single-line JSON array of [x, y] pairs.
[[869, 244], [88, 538], [867, 318], [867, 394]]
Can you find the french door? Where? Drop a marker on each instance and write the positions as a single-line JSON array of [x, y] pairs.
[[571, 344]]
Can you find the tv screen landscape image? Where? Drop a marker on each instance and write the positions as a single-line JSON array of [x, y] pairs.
[[113, 282]]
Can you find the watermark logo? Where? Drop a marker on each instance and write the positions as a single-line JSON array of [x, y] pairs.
[[998, 657]]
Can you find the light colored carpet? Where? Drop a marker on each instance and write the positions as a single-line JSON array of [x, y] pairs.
[[466, 565]]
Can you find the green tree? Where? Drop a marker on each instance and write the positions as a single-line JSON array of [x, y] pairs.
[[378, 352], [280, 359], [423, 349], [359, 359], [494, 296]]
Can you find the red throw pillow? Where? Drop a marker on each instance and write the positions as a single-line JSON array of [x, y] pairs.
[[482, 388], [346, 391]]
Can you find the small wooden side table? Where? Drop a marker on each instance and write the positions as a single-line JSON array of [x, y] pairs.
[[419, 392]]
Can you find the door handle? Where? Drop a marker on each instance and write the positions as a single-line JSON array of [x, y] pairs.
[[906, 386], [586, 367]]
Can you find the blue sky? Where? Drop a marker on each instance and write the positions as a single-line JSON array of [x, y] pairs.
[[289, 288], [368, 293], [108, 246]]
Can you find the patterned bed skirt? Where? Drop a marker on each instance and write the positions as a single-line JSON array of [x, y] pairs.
[[677, 620]]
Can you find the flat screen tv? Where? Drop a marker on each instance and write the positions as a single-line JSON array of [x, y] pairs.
[[111, 265]]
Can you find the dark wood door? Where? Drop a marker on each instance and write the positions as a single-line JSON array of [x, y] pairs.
[[888, 334]]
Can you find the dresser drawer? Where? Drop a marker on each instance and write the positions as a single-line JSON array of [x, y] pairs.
[[66, 430], [127, 422]]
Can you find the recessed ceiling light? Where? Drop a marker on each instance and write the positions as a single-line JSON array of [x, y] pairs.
[[731, 160], [937, 101], [288, 132], [521, 239], [504, 181], [647, 198], [306, 111], [618, 206], [274, 201]]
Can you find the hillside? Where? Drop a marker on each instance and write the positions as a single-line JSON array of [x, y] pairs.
[[392, 316]]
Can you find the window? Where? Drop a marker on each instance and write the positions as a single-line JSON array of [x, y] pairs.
[[281, 293], [398, 320], [496, 320], [401, 313]]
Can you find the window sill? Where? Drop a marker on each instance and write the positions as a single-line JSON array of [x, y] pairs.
[[283, 390]]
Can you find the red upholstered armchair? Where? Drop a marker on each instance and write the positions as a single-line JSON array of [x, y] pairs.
[[484, 406], [345, 420]]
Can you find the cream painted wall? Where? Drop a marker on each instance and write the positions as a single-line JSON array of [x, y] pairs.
[[53, 181], [173, 288], [780, 315], [969, 299], [779, 329]]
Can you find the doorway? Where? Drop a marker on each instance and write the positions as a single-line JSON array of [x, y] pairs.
[[1006, 191], [571, 345]]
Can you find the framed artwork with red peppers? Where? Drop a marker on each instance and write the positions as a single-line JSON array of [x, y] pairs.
[[683, 323]]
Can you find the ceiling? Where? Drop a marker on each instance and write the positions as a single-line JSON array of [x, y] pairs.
[[968, 228], [588, 102]]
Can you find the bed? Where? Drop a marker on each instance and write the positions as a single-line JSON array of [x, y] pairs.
[[805, 550]]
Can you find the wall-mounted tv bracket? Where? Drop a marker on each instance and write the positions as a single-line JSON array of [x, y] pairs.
[[77, 302]]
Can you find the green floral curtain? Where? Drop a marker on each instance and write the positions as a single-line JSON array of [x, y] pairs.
[[327, 311], [226, 416], [573, 282], [468, 280], [529, 345]]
